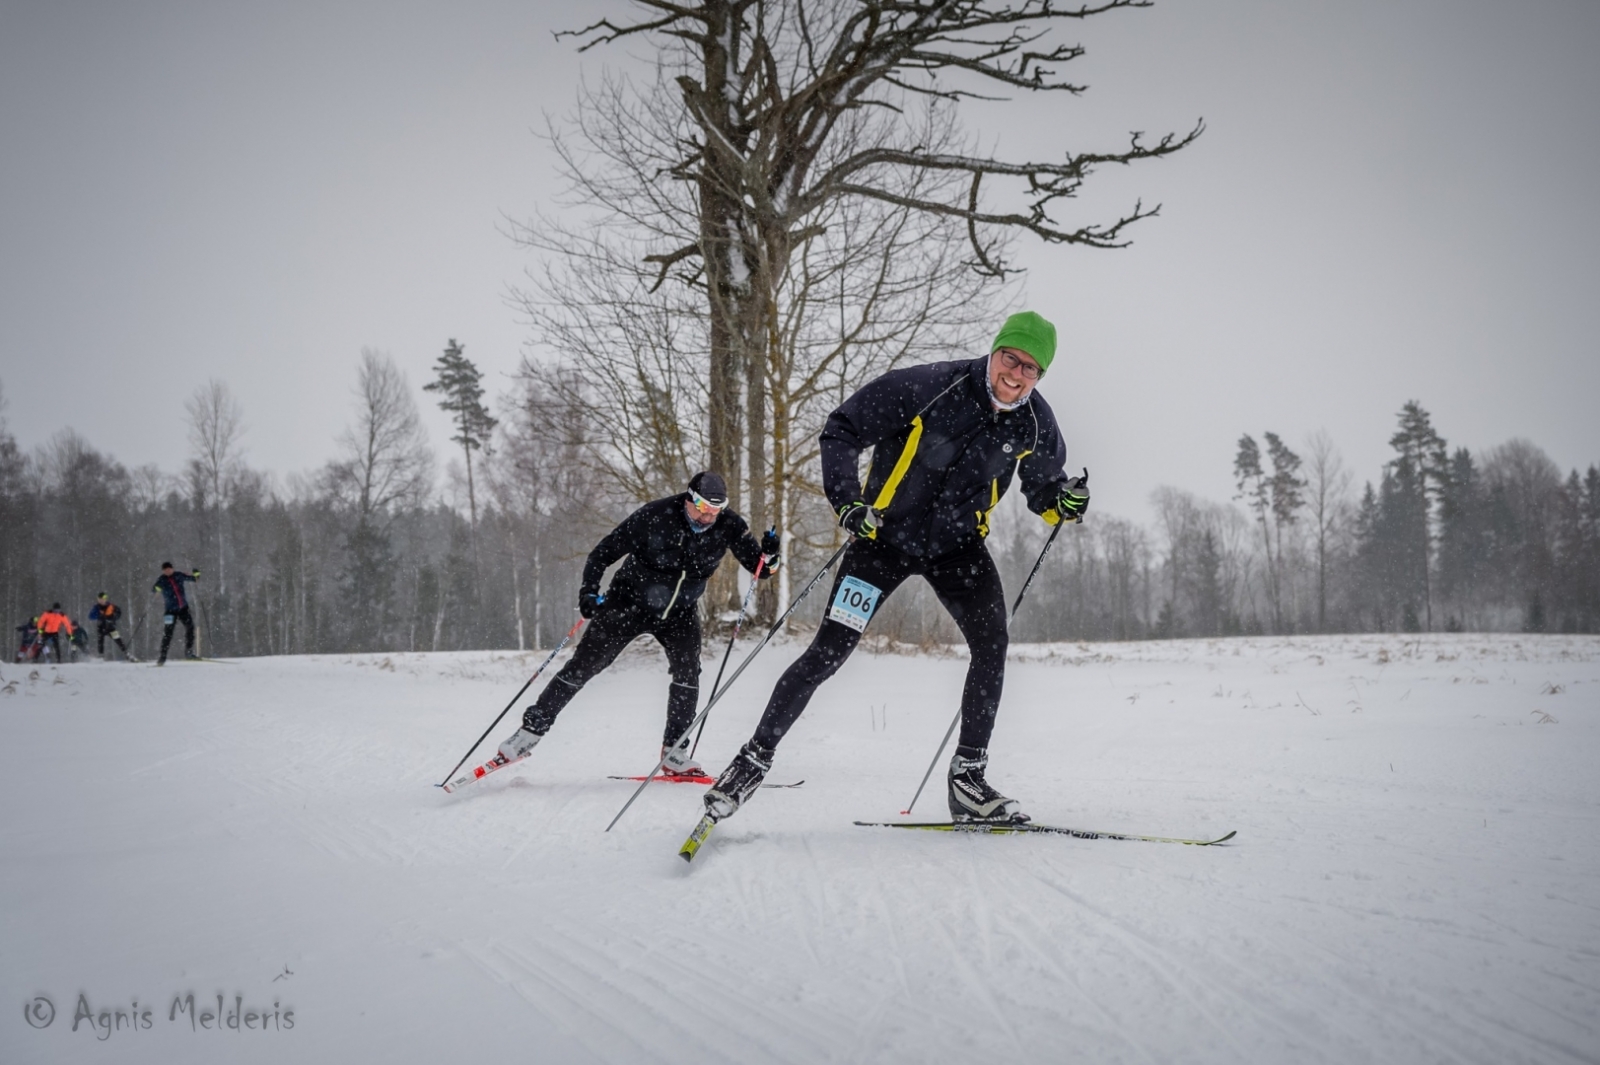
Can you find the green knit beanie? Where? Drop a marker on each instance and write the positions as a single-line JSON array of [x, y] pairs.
[[1028, 332]]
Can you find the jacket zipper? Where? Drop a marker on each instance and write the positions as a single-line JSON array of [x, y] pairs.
[[681, 575]]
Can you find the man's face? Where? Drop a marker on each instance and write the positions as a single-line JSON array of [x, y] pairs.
[[166, 571], [701, 511], [1012, 374]]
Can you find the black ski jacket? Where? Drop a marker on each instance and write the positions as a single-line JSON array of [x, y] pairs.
[[171, 589], [942, 455], [668, 562], [106, 615]]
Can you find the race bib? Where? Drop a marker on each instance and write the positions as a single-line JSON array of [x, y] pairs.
[[854, 603]]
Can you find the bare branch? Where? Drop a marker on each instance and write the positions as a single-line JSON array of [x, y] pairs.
[[669, 260]]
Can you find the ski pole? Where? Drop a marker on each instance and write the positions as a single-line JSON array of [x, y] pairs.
[[737, 625], [1048, 544], [200, 630], [957, 719], [575, 626], [776, 625]]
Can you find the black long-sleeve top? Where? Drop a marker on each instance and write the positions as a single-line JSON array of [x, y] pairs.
[[942, 455], [668, 563]]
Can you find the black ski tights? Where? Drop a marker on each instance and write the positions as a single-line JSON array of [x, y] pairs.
[[609, 632], [968, 585]]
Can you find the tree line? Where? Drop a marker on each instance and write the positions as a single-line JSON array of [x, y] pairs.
[[367, 553], [1441, 540]]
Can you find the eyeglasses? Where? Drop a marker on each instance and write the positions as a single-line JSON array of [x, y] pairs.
[[704, 505], [1028, 370]]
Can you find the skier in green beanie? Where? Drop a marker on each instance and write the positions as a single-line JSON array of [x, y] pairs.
[[947, 440]]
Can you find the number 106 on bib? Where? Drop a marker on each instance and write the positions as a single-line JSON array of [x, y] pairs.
[[854, 603]]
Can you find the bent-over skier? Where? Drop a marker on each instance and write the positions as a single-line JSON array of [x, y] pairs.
[[947, 439], [104, 614], [51, 624], [673, 546]]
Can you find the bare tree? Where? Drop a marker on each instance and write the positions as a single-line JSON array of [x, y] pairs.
[[386, 464], [1327, 497], [872, 285], [765, 88], [215, 425], [386, 468]]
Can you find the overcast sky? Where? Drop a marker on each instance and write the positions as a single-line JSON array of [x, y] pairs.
[[1393, 200]]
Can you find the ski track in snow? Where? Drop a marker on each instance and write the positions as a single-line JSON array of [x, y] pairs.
[[1414, 878]]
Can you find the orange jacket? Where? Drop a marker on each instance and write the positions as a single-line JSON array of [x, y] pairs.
[[52, 622]]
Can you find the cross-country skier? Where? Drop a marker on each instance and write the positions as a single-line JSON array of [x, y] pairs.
[[947, 438], [673, 546], [175, 604], [104, 614], [51, 624]]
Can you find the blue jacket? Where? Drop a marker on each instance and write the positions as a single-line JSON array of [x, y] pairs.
[[942, 455], [171, 589]]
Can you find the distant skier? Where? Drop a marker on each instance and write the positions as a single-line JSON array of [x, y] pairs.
[[175, 604], [28, 640], [52, 623], [673, 546], [947, 439], [105, 615]]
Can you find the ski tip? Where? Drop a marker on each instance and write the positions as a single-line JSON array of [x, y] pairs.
[[1225, 839], [691, 846]]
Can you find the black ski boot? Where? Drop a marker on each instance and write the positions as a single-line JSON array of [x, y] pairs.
[[971, 797], [739, 781]]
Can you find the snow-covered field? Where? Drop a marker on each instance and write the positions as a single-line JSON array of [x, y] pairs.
[[1416, 876]]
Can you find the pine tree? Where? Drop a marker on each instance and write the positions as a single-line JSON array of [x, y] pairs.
[[1422, 449], [457, 379], [1463, 543], [1276, 501]]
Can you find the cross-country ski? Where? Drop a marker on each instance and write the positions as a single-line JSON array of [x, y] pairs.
[[1025, 827]]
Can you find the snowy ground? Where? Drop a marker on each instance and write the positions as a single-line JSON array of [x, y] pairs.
[[1416, 876]]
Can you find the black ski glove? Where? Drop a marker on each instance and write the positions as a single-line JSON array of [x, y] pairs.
[[589, 603], [772, 548], [1074, 497], [858, 519]]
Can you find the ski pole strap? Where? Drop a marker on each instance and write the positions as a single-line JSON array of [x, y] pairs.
[[576, 625], [719, 693]]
